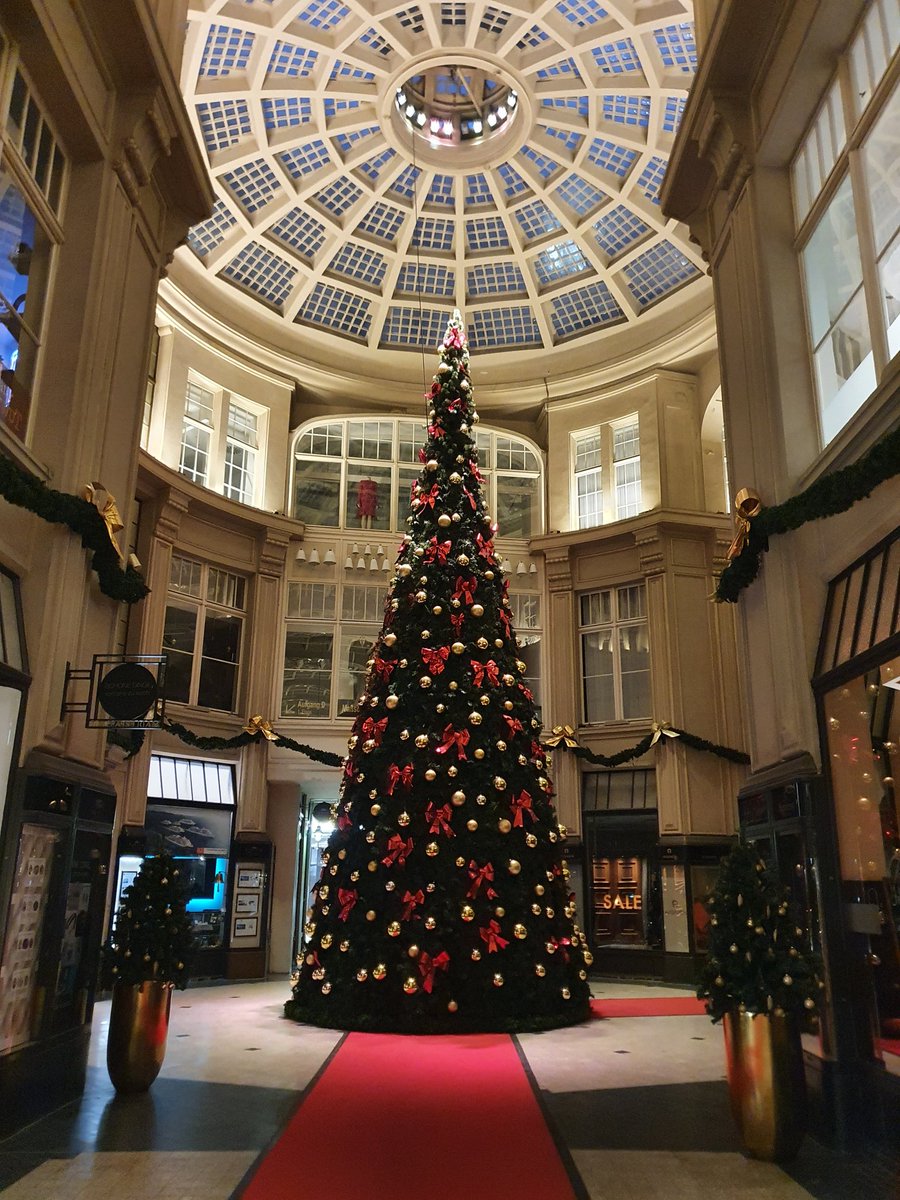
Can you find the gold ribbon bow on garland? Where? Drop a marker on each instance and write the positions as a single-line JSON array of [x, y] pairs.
[[258, 724], [105, 503], [662, 729], [747, 505], [562, 735]]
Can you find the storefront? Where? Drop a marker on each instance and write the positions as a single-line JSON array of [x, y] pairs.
[[857, 688]]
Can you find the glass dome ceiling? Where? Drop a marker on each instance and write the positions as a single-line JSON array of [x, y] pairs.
[[335, 214]]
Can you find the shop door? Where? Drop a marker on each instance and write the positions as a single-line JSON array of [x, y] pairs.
[[619, 901]]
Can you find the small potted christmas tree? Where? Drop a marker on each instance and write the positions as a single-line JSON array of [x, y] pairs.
[[146, 957], [760, 980]]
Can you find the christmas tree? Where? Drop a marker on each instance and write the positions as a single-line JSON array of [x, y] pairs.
[[443, 902], [153, 938], [757, 960]]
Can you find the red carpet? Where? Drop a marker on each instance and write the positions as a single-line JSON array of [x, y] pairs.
[[659, 1006], [889, 1045], [443, 1118]]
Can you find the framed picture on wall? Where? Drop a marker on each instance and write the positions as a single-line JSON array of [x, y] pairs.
[[247, 903], [246, 927], [249, 879]]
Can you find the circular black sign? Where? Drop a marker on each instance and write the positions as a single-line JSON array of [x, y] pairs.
[[127, 691]]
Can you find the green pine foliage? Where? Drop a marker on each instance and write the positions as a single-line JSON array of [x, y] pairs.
[[757, 960], [443, 904], [153, 938]]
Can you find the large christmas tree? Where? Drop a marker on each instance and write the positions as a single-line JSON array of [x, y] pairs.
[[443, 903]]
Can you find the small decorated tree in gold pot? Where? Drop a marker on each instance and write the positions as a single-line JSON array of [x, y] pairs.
[[761, 981], [146, 957]]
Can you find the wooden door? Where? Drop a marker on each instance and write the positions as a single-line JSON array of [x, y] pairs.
[[618, 894]]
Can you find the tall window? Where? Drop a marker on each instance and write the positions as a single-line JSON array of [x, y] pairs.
[[32, 176], [527, 622], [240, 453], [848, 224], [613, 450], [357, 474], [203, 634], [196, 433], [150, 388], [615, 654]]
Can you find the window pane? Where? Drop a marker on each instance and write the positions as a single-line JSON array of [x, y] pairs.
[[185, 576], [222, 637], [178, 643], [518, 506], [845, 368], [405, 480], [587, 452], [370, 439], [242, 425], [411, 435], [218, 685], [530, 654], [356, 650], [313, 600], [326, 439], [317, 492], [12, 642], [526, 610], [590, 499], [24, 263], [631, 602], [198, 404], [626, 441], [240, 471], [628, 488], [889, 274], [362, 602], [194, 461], [596, 608], [510, 454], [634, 659], [368, 498], [307, 674], [599, 691], [222, 587]]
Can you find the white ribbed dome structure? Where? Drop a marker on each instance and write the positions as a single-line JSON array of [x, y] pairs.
[[340, 223]]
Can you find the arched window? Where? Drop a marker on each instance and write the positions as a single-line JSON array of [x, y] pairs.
[[356, 473]]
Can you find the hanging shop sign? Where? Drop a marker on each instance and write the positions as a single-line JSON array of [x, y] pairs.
[[123, 691]]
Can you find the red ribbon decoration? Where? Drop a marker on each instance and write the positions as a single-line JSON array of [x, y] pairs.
[[401, 775], [411, 901], [344, 820], [374, 729], [490, 668], [519, 806], [504, 617], [437, 551], [429, 497], [383, 669], [526, 691], [398, 851], [454, 737], [465, 589], [485, 548], [471, 498], [456, 620], [428, 966], [480, 875], [434, 659], [347, 897], [439, 819], [491, 935], [454, 339], [514, 725]]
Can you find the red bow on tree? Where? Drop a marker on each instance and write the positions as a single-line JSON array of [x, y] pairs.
[[439, 819], [471, 498], [401, 775], [538, 750], [473, 467], [465, 589], [504, 617], [479, 670], [347, 898], [454, 737], [411, 901], [374, 729], [397, 851], [383, 669], [519, 806], [480, 875], [429, 497], [513, 724], [455, 404], [526, 691], [435, 430], [344, 820], [454, 339], [435, 390], [428, 966], [437, 551], [485, 548], [456, 620], [434, 659], [491, 935]]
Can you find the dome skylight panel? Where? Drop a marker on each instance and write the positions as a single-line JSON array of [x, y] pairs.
[[375, 168]]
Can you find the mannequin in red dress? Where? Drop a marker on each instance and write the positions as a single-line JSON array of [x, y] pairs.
[[366, 502]]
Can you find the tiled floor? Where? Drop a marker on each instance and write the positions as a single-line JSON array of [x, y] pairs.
[[639, 1106]]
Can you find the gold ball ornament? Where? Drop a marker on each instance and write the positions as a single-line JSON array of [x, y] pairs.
[[499, 911], [503, 825], [431, 465], [484, 701], [471, 825], [452, 1006], [475, 718], [403, 818], [530, 841], [482, 643], [391, 701], [431, 849], [499, 783], [426, 634], [467, 912], [498, 980], [371, 914], [480, 799], [430, 923], [372, 866], [514, 866], [475, 956], [344, 946], [462, 559], [326, 988], [413, 951], [452, 772], [380, 971], [489, 574], [425, 681], [479, 753], [362, 975], [458, 647], [422, 740], [394, 929], [410, 986], [460, 862], [540, 970], [404, 735], [431, 774], [536, 909], [458, 799], [520, 932], [437, 610], [566, 994], [375, 810], [588, 958], [443, 520], [455, 477], [501, 745], [390, 885], [477, 610], [403, 570]]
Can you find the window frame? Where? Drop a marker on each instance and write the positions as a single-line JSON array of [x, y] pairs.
[[614, 626], [201, 605], [844, 161], [606, 470], [220, 438]]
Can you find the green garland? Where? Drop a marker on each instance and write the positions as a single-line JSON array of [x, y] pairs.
[[831, 494], [624, 756], [133, 740], [19, 487]]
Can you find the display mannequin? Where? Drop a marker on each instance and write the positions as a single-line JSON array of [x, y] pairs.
[[366, 502]]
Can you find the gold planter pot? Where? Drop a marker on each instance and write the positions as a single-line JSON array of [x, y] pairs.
[[138, 1027], [764, 1063]]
